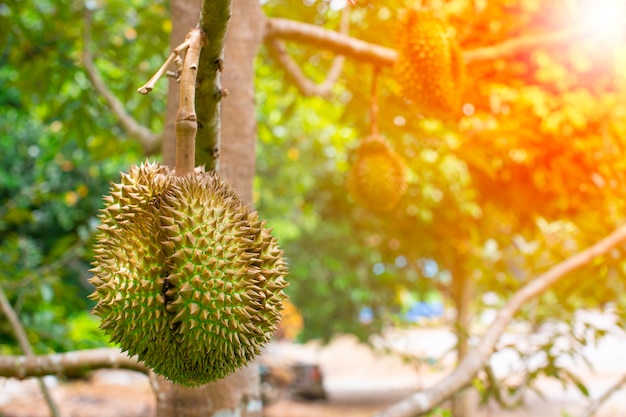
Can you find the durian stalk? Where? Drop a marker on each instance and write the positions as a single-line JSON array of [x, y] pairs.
[[186, 120], [209, 92]]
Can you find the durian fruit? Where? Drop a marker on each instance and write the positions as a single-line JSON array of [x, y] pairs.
[[187, 277], [430, 67], [377, 179]]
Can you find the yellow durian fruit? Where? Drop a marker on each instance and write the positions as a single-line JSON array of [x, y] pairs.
[[430, 67], [378, 179]]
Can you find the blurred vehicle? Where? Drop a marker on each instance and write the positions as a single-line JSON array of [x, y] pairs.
[[301, 380]]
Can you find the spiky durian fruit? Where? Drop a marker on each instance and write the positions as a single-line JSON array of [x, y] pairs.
[[186, 277], [377, 180], [429, 68]]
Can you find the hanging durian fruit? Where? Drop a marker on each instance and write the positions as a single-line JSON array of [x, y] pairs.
[[187, 278], [377, 180], [430, 67]]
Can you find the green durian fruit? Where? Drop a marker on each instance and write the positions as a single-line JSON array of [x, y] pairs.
[[377, 179], [187, 277]]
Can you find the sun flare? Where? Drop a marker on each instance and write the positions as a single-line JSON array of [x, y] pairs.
[[606, 19]]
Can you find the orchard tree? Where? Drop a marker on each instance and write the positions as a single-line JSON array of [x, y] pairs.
[[480, 143]]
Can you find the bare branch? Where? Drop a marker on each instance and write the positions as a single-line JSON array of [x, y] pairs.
[[175, 56], [22, 340], [323, 38], [150, 141], [501, 392], [307, 87], [278, 28], [523, 43], [67, 364], [477, 358], [597, 403]]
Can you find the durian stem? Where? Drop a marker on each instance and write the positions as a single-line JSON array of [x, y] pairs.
[[374, 103], [186, 120]]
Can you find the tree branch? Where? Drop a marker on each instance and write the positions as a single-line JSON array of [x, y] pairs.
[[278, 28], [597, 403], [22, 340], [523, 43], [67, 364], [150, 142], [306, 86], [501, 392], [477, 358], [214, 18]]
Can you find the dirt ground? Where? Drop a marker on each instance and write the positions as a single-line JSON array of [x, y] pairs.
[[125, 394], [358, 380]]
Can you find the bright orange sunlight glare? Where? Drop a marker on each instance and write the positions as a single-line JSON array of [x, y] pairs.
[[605, 19]]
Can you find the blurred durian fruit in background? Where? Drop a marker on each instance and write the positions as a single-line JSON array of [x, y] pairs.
[[378, 179], [430, 68]]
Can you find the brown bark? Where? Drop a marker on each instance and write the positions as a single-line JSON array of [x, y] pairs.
[[235, 395], [67, 364], [238, 144], [464, 402]]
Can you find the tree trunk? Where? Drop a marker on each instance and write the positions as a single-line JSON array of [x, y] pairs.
[[464, 402], [239, 134], [239, 394], [234, 396]]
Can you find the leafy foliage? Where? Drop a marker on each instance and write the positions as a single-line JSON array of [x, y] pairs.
[[59, 148]]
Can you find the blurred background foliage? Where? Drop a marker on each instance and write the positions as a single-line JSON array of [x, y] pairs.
[[60, 147], [532, 171]]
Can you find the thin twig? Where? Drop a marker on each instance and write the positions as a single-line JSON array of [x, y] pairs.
[[22, 340], [501, 392], [175, 56], [149, 86], [523, 43], [150, 141], [597, 403], [477, 358]]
